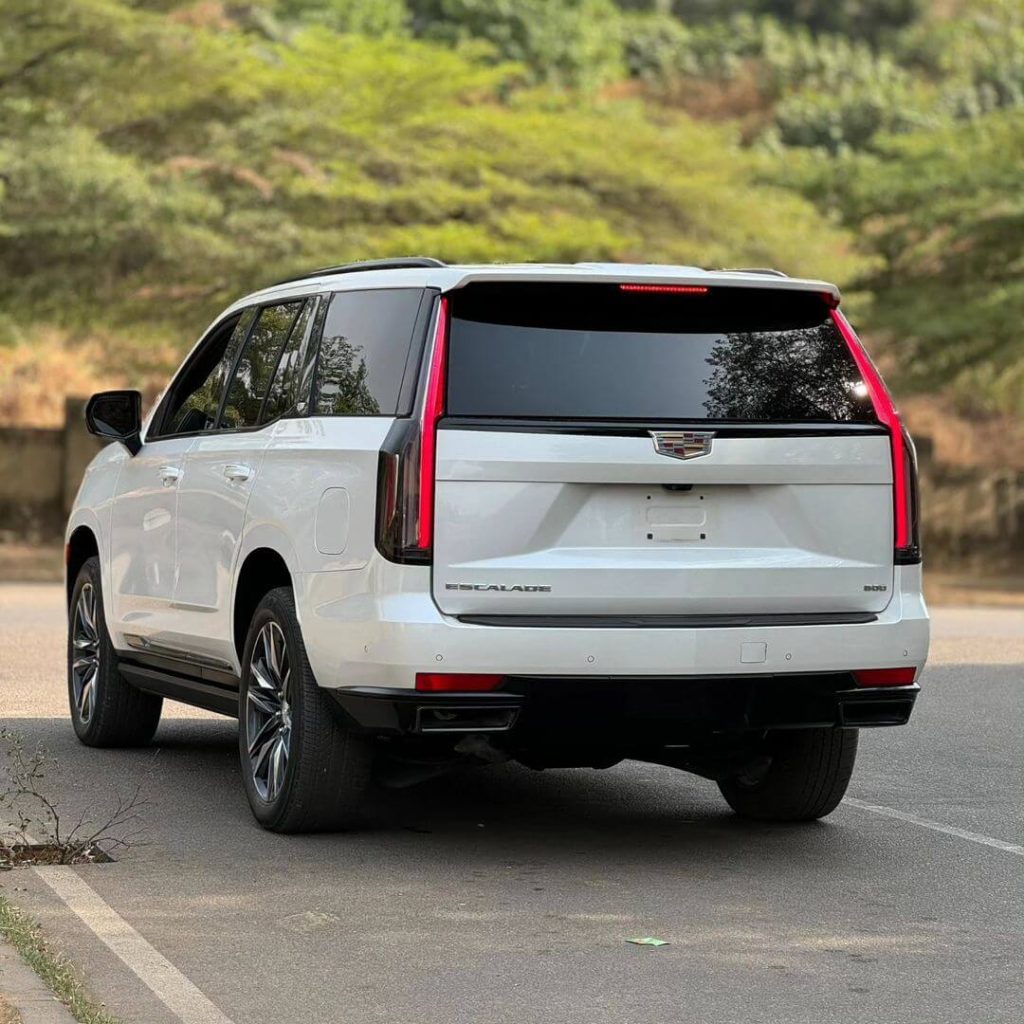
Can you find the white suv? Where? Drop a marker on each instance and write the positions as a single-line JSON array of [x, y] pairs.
[[398, 516]]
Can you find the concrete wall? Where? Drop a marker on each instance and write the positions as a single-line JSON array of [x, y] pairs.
[[973, 519], [40, 471]]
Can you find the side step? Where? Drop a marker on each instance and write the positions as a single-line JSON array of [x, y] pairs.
[[174, 686]]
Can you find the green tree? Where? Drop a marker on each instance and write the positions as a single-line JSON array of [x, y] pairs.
[[945, 211], [569, 42], [871, 20], [368, 17]]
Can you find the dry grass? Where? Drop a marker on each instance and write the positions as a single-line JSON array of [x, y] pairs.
[[54, 968], [36, 376], [992, 442], [39, 371], [8, 1014]]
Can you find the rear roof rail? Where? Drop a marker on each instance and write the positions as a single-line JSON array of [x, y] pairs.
[[768, 271], [399, 263]]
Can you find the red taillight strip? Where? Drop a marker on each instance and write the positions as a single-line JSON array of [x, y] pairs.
[[456, 682], [676, 289], [433, 408], [886, 412], [885, 676]]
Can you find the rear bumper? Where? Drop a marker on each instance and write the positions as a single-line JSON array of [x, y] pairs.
[[379, 626], [633, 712]]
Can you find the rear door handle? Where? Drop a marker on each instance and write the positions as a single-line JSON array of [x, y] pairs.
[[169, 475], [237, 472]]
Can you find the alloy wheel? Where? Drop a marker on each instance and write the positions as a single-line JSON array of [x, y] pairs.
[[85, 663], [268, 716]]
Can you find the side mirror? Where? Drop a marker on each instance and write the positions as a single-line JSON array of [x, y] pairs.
[[116, 416]]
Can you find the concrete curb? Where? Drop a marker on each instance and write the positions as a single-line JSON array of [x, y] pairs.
[[26, 992]]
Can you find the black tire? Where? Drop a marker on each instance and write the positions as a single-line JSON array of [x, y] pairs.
[[805, 779], [106, 711], [326, 775]]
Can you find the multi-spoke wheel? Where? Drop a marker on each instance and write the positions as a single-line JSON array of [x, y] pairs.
[[106, 711], [85, 642], [268, 713], [303, 771]]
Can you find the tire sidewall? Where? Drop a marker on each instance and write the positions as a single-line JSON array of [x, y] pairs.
[[89, 574], [273, 608]]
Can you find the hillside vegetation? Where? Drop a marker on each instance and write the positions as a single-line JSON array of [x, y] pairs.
[[158, 158]]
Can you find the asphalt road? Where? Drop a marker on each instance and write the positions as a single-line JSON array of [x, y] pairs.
[[506, 895]]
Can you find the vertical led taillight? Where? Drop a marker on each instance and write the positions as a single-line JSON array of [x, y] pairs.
[[906, 537], [432, 411], [407, 465]]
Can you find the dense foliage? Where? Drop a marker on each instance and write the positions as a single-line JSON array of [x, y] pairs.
[[158, 157]]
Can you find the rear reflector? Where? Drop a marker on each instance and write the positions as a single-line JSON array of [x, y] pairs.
[[666, 289], [885, 676], [456, 682]]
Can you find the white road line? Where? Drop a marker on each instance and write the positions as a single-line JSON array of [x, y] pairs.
[[935, 826], [169, 985]]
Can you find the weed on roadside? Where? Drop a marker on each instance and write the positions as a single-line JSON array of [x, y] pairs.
[[33, 829], [54, 968]]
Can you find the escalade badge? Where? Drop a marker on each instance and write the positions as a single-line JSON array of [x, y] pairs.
[[682, 444]]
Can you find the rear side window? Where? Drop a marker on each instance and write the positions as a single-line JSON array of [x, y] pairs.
[[283, 391], [195, 396], [601, 352], [363, 351], [257, 363]]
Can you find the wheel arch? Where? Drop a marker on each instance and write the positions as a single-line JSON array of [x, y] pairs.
[[82, 544], [262, 569]]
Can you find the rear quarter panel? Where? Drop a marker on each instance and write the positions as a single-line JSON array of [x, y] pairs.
[[315, 497]]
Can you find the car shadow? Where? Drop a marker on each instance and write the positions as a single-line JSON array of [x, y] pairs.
[[498, 815]]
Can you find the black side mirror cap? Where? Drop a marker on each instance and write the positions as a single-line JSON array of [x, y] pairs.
[[116, 416]]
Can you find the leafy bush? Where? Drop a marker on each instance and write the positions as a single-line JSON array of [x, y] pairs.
[[570, 42], [657, 47], [872, 20], [368, 17]]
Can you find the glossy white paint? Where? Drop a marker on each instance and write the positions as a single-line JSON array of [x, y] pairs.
[[143, 538], [221, 472], [92, 507], [451, 277], [304, 459], [772, 524], [332, 521], [379, 627], [795, 524]]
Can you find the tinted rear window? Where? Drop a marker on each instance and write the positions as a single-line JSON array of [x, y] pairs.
[[366, 340], [597, 352]]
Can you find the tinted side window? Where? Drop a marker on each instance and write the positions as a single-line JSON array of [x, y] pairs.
[[284, 386], [196, 395], [256, 365], [363, 353]]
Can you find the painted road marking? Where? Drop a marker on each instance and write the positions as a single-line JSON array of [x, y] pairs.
[[169, 985], [935, 826]]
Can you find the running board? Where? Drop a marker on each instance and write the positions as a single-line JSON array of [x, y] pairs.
[[185, 689]]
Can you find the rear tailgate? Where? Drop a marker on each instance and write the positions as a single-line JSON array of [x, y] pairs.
[[552, 497]]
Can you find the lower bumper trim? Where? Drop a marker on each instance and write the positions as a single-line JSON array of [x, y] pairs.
[[633, 710]]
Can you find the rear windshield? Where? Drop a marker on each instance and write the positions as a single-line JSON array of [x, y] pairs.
[[596, 351]]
